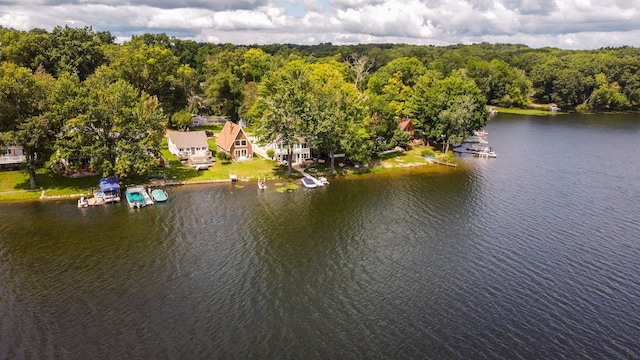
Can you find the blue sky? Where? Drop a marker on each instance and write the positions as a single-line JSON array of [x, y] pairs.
[[567, 24]]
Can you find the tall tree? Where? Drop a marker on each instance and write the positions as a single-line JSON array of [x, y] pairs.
[[359, 65], [118, 127], [606, 96], [409, 71], [338, 110], [23, 102], [77, 50], [151, 68], [284, 105], [450, 109], [223, 82]]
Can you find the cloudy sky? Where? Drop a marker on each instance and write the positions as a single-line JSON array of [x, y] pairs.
[[567, 24]]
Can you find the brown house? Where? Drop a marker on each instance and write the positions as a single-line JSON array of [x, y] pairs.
[[406, 125], [234, 142]]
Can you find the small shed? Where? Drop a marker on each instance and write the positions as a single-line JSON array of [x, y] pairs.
[[406, 125]]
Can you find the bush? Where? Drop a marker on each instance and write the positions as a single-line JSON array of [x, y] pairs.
[[271, 153], [223, 156], [427, 152]]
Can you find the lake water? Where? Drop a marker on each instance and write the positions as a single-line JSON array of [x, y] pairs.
[[532, 255]]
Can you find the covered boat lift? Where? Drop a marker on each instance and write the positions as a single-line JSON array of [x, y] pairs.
[[109, 190]]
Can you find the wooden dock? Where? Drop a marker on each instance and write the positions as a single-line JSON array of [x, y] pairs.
[[444, 163]]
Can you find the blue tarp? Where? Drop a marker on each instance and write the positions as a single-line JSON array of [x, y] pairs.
[[109, 184]]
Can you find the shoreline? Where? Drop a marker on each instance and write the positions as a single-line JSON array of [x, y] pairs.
[[379, 169]]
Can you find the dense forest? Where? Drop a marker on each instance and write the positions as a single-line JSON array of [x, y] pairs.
[[74, 92]]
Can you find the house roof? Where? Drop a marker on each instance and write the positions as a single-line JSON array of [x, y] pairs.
[[189, 139], [228, 135], [405, 124]]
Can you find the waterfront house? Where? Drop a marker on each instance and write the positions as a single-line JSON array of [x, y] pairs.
[[299, 152], [191, 147], [11, 158], [233, 141]]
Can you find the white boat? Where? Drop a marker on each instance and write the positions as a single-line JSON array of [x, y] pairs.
[[485, 154], [82, 202], [475, 140], [262, 183], [137, 197], [324, 180], [309, 183]]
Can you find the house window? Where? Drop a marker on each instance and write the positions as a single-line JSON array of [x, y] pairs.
[[240, 153], [304, 145], [305, 156], [8, 152], [241, 142]]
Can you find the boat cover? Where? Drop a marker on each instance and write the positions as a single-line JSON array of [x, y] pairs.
[[109, 184]]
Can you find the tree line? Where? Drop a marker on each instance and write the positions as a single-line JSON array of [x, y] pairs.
[[74, 92]]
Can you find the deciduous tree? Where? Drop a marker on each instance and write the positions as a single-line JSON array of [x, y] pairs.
[[284, 105], [118, 127]]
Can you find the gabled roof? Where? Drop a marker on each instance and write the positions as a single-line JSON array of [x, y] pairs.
[[228, 135], [189, 139], [405, 124]]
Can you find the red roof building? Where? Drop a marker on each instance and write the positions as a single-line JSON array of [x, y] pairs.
[[233, 140]]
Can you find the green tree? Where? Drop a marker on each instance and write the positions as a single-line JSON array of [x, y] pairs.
[[181, 120], [401, 139], [406, 70], [223, 83], [23, 102], [256, 63], [118, 127], [152, 69], [20, 95], [77, 50], [449, 109], [338, 108], [283, 106], [26, 49], [606, 96], [500, 83]]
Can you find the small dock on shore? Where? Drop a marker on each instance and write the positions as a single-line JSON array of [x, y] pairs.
[[439, 162]]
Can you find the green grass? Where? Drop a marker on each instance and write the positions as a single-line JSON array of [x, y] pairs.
[[534, 110], [14, 185]]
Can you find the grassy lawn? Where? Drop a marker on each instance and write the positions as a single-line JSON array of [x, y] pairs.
[[14, 185], [536, 110]]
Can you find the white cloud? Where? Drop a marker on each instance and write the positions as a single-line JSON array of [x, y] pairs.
[[561, 23]]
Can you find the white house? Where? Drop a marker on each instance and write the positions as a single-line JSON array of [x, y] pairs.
[[11, 158], [300, 151], [191, 146]]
